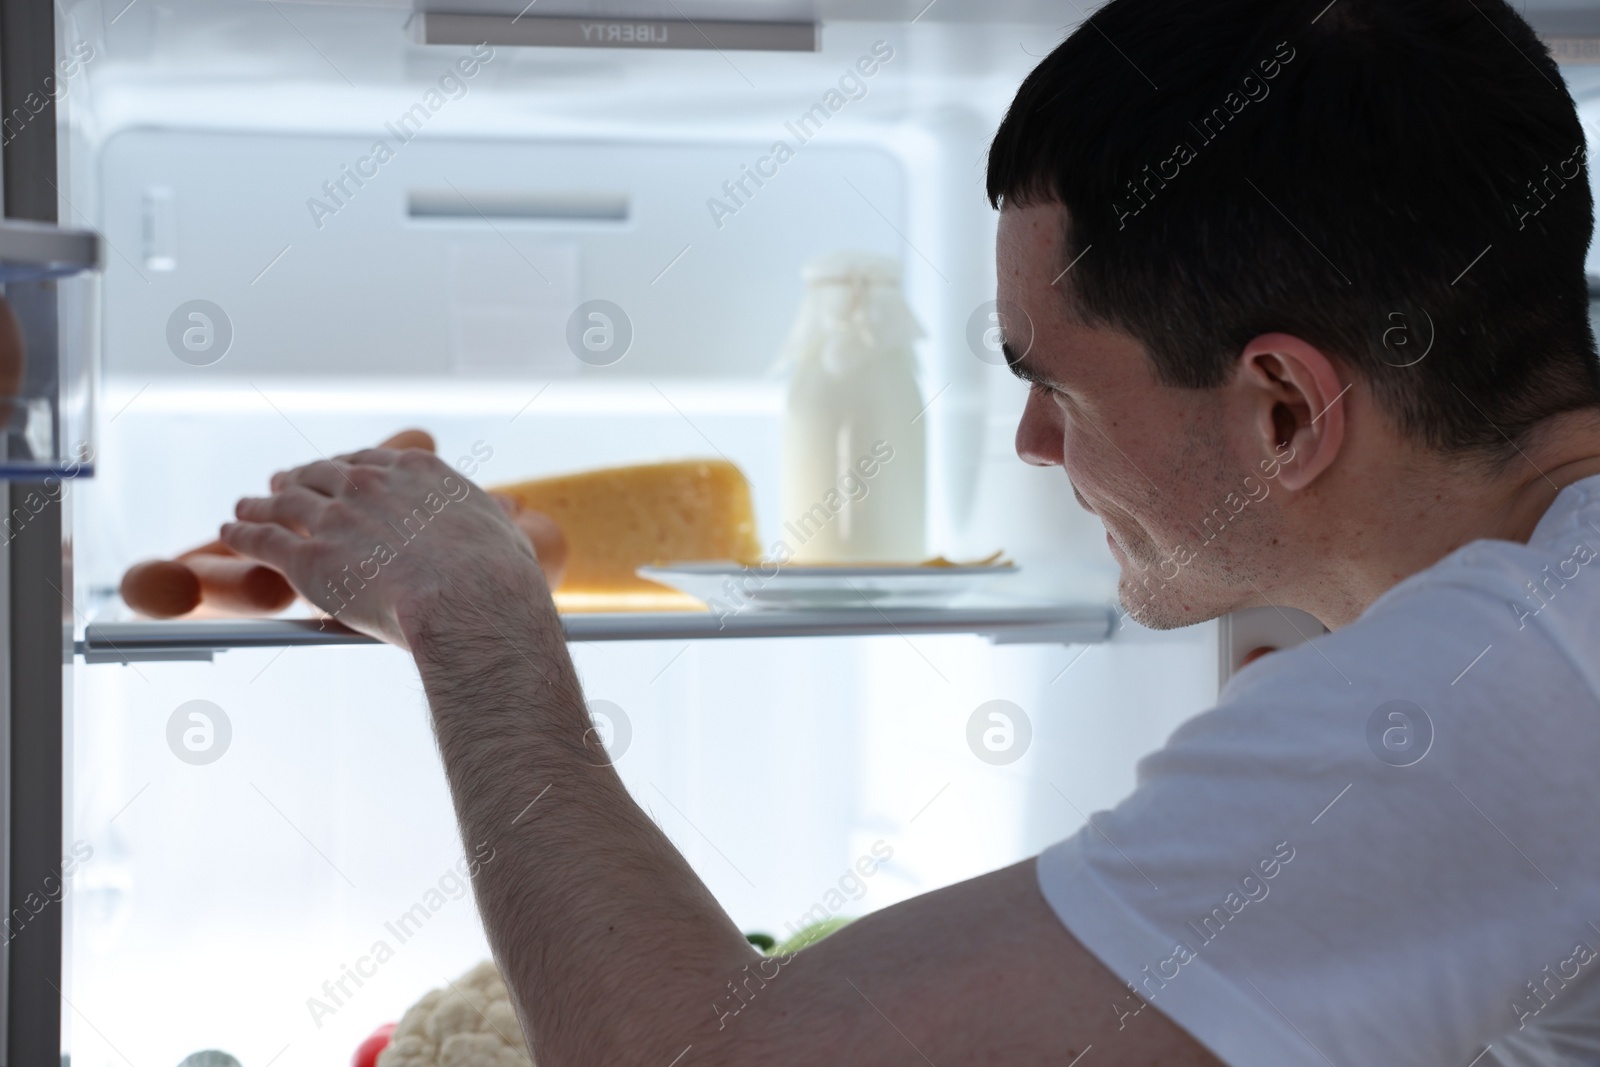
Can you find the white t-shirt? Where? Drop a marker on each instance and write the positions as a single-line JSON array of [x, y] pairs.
[[1381, 847]]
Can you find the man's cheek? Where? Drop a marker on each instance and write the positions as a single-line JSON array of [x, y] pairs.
[[1103, 480], [1083, 460]]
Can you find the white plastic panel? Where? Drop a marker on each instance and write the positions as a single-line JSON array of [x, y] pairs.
[[317, 275]]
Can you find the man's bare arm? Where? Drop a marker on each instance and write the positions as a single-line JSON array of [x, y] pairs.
[[609, 942], [614, 950]]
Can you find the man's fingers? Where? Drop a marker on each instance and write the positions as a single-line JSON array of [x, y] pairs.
[[336, 476], [327, 477], [294, 506], [508, 504], [370, 457], [268, 542]]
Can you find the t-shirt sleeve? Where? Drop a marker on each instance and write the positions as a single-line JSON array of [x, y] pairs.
[[1354, 858]]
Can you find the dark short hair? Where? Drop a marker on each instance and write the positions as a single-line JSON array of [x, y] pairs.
[[1373, 176]]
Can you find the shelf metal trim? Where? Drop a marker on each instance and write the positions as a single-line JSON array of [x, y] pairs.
[[147, 641], [32, 250], [559, 31]]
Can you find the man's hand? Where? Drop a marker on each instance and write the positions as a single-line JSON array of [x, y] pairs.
[[378, 538]]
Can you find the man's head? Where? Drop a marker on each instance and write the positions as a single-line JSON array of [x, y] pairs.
[[1254, 247]]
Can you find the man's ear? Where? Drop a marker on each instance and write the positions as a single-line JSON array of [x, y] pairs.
[[1296, 403]]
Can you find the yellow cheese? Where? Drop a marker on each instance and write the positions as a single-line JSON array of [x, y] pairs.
[[622, 518]]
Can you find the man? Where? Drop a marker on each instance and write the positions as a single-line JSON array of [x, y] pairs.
[[1323, 258]]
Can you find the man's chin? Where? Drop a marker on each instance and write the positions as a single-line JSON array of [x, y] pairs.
[[1161, 607]]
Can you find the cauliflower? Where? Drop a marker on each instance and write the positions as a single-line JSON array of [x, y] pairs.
[[468, 1023]]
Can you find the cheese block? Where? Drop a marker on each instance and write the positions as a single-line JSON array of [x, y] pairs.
[[619, 519]]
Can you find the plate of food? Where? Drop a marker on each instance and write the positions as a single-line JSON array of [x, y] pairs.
[[772, 586]]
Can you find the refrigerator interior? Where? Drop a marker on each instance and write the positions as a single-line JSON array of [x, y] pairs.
[[221, 900]]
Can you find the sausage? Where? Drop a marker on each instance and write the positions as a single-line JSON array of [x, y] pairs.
[[232, 585], [161, 588], [411, 439], [211, 576]]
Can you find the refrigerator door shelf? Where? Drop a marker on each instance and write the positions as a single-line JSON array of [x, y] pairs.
[[30, 251], [47, 356], [144, 641]]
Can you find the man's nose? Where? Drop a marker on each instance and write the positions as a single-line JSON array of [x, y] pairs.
[[1039, 434]]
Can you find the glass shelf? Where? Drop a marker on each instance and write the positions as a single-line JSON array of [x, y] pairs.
[[143, 641]]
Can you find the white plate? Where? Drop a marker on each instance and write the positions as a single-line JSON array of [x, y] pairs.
[[775, 588]]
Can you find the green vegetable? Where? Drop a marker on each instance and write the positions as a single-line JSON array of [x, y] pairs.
[[809, 935]]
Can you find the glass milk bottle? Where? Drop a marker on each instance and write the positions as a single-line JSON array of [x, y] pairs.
[[853, 466]]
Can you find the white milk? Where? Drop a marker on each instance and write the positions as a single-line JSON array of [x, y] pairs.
[[853, 465]]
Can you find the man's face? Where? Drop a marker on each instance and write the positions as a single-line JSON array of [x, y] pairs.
[[1171, 472]]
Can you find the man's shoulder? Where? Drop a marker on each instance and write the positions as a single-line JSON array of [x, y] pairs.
[[1457, 663], [1513, 608]]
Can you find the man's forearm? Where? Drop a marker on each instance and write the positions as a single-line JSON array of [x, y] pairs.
[[609, 942]]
